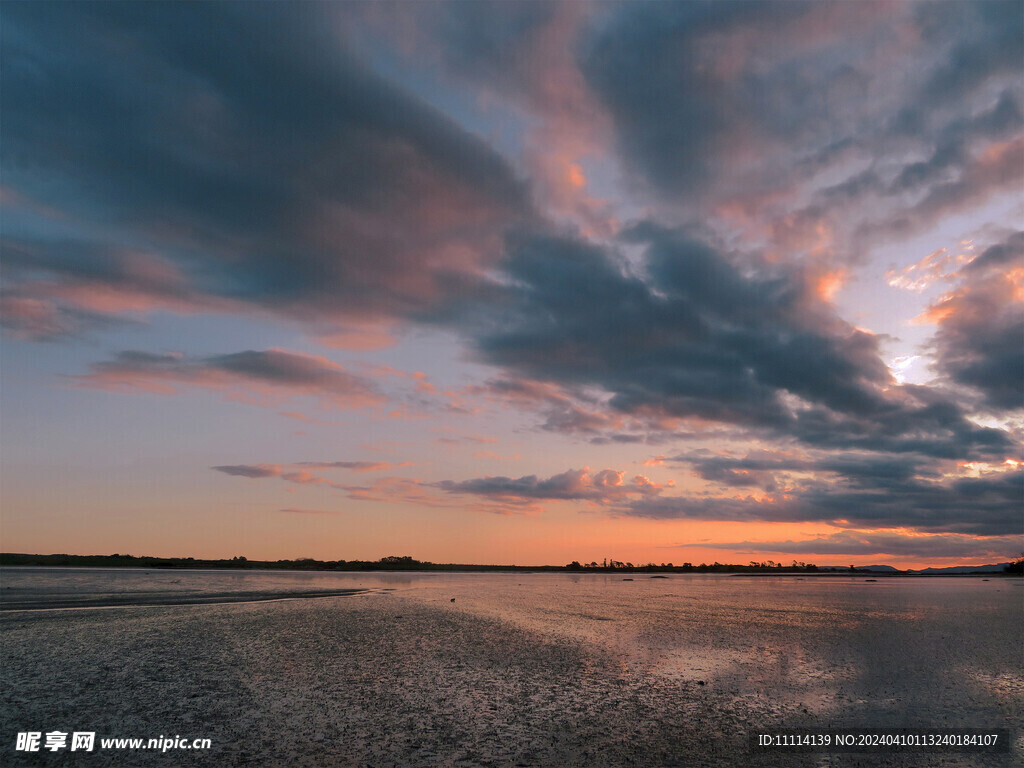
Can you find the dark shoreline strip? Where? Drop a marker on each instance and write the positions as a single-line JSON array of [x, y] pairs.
[[169, 600]]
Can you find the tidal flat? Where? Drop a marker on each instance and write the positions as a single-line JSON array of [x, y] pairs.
[[520, 670]]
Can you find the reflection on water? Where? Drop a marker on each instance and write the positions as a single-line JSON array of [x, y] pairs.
[[898, 650]]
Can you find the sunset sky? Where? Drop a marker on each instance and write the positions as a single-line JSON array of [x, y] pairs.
[[514, 282]]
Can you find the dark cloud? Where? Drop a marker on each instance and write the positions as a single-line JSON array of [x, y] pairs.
[[693, 336], [980, 338], [958, 162], [861, 543], [954, 143], [700, 340], [984, 506], [575, 484], [255, 472], [676, 114], [245, 147], [1005, 255], [767, 470], [791, 112], [486, 40], [564, 411], [924, 422], [984, 40], [259, 375], [855, 490]]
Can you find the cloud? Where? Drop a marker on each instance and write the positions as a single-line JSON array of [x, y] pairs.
[[979, 343], [983, 506], [1000, 167], [863, 543], [685, 335], [784, 119], [863, 490], [676, 108], [458, 439], [768, 469], [500, 495], [520, 60], [390, 490], [288, 471], [253, 471], [985, 41], [355, 466], [565, 411], [936, 266], [733, 98], [397, 490], [37, 319], [261, 163], [572, 485], [262, 377], [260, 159]]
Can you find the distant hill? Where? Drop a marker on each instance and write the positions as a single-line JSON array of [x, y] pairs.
[[993, 568], [954, 569]]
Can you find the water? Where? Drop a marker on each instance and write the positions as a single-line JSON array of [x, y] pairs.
[[830, 642]]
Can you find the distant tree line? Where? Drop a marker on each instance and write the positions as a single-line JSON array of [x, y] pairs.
[[766, 566], [407, 563], [389, 563]]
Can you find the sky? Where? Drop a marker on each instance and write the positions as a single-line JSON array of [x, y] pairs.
[[514, 282]]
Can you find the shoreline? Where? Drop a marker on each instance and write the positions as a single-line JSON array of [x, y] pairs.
[[157, 601], [657, 572]]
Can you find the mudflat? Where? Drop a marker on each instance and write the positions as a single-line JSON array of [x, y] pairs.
[[515, 673]]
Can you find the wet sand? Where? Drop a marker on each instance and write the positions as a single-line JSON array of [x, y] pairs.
[[411, 679]]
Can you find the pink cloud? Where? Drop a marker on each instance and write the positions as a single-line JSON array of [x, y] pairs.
[[34, 318], [361, 338], [300, 473]]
